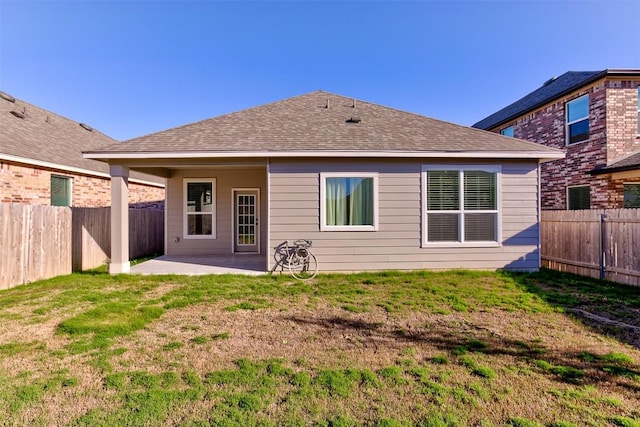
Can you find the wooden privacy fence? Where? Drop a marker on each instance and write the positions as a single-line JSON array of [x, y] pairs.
[[601, 243], [92, 235], [39, 242], [35, 243]]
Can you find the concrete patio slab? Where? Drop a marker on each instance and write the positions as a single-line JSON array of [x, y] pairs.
[[198, 265]]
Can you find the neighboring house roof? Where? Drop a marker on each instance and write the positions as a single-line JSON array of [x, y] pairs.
[[628, 163], [321, 124], [33, 135], [553, 88]]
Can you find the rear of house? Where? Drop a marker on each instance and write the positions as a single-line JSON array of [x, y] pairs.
[[425, 214], [374, 188]]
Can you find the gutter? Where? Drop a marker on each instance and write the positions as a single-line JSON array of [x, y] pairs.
[[113, 155], [72, 169], [607, 170]]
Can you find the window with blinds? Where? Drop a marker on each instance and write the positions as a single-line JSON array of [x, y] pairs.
[[60, 190], [461, 204]]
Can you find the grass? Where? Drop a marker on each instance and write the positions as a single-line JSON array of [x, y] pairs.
[[384, 349]]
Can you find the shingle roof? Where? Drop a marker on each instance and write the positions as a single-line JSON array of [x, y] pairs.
[[550, 90], [321, 121], [31, 132], [630, 162]]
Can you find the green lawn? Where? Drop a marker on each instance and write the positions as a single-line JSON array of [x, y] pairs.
[[388, 349]]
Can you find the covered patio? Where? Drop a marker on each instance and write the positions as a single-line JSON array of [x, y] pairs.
[[253, 265]]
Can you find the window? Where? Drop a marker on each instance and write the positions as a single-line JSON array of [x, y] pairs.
[[632, 195], [60, 190], [199, 209], [349, 202], [461, 204], [507, 131], [578, 120], [578, 198]]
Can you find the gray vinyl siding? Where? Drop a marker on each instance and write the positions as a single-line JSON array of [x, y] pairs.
[[227, 179], [294, 213]]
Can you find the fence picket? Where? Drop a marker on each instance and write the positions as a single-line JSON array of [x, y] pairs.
[[39, 242], [570, 241]]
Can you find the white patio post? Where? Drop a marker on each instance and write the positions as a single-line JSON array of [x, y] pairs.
[[119, 219]]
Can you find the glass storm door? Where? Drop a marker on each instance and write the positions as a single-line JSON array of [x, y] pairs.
[[246, 221]]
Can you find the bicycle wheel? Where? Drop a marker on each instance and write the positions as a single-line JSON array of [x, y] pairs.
[[303, 268]]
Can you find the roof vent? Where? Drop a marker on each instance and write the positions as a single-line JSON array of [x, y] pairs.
[[7, 97], [18, 114], [551, 80], [86, 127], [354, 119]]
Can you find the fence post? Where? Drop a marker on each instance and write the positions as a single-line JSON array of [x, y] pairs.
[[602, 257]]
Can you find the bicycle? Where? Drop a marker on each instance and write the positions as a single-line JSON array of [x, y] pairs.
[[297, 258]]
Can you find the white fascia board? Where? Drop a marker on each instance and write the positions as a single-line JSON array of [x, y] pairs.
[[552, 155], [71, 169]]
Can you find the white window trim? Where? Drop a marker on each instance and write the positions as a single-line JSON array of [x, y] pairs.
[[69, 180], [185, 222], [577, 186], [323, 216], [567, 123], [497, 169]]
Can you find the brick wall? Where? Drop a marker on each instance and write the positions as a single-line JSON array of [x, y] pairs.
[[21, 183], [622, 119], [613, 128]]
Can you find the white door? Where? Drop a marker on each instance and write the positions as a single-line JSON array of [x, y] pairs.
[[246, 227]]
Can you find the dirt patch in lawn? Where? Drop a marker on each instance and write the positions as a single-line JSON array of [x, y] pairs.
[[209, 337]]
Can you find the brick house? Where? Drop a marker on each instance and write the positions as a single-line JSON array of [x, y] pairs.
[[41, 161], [595, 117]]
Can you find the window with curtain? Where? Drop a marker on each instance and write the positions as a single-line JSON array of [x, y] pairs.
[[578, 120], [461, 205], [349, 202], [60, 190], [199, 220]]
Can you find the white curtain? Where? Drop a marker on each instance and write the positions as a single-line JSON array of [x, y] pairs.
[[336, 201], [349, 201]]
